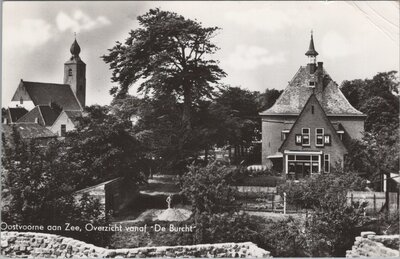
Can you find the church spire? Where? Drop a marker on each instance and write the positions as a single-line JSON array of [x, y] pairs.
[[312, 53]]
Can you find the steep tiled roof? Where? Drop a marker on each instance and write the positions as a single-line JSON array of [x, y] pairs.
[[15, 113], [49, 114], [45, 93], [45, 114], [296, 94], [33, 116]]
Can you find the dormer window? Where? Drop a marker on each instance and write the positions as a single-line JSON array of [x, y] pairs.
[[340, 134], [284, 134], [312, 83]]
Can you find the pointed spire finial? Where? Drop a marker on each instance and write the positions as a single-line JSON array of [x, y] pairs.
[[311, 49]]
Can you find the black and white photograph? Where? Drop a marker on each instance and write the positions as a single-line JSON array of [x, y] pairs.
[[200, 129]]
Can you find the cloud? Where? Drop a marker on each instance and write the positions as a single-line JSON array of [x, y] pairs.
[[250, 57], [333, 45], [28, 33], [263, 19], [79, 21]]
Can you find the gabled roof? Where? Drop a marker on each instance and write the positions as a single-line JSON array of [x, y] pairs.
[[45, 93], [33, 116], [15, 113], [327, 122], [298, 91], [73, 115], [46, 115], [28, 131]]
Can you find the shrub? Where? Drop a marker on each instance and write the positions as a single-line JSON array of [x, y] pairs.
[[333, 223], [209, 189], [226, 227]]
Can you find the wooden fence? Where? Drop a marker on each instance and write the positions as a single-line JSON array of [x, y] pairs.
[[375, 200], [266, 199]]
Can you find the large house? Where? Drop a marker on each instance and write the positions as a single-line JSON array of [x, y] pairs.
[[307, 129], [53, 106]]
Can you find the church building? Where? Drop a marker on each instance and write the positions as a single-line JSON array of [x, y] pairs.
[[54, 106], [308, 127]]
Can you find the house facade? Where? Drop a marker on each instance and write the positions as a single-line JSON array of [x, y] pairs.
[[55, 106], [308, 127]]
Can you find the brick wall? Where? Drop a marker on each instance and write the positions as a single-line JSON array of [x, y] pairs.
[[29, 244], [371, 245]]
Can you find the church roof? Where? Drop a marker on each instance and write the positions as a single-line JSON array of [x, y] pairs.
[[45, 93], [296, 94], [49, 114]]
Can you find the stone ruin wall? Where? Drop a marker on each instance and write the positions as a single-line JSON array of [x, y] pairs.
[[371, 245], [29, 244]]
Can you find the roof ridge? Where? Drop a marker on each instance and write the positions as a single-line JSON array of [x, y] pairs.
[[26, 114], [41, 114], [43, 83]]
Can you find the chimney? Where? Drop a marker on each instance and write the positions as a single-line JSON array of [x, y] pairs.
[[320, 66]]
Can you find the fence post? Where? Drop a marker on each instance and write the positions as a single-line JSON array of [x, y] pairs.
[[284, 203], [374, 204], [351, 198], [273, 203]]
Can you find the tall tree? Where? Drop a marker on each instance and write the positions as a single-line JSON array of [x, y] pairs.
[[268, 98], [103, 147], [172, 55]]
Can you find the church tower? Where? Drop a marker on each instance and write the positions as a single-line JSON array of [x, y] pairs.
[[75, 74]]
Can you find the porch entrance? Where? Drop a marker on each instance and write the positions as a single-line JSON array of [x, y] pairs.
[[302, 164]]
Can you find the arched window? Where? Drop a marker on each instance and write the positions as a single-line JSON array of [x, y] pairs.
[[70, 72]]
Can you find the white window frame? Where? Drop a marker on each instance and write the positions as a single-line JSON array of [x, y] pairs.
[[327, 170], [302, 137], [319, 134]]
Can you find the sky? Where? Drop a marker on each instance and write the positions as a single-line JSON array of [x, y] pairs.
[[262, 43]]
